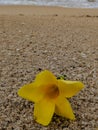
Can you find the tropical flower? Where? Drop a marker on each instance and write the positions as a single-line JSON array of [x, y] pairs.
[[50, 95]]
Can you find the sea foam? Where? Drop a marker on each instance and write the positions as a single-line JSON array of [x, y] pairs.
[[63, 3]]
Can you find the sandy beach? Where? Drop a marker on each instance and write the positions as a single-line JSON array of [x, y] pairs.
[[62, 40]]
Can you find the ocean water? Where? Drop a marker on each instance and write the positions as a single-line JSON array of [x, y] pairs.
[[63, 3]]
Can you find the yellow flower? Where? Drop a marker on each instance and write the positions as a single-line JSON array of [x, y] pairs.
[[49, 95]]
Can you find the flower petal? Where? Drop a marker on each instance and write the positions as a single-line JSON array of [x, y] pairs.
[[43, 111], [63, 108], [31, 92], [35, 91], [45, 77], [69, 88]]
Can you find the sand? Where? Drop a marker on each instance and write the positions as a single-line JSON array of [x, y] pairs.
[[64, 41]]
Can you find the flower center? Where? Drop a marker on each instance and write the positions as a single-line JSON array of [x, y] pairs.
[[52, 91]]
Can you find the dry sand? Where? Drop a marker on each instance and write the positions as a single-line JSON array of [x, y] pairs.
[[64, 41]]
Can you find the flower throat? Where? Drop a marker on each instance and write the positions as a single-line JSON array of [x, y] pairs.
[[52, 91]]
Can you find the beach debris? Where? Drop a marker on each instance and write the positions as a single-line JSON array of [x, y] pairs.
[[91, 0]]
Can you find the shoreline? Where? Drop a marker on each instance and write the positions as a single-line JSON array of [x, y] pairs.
[[46, 10]]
